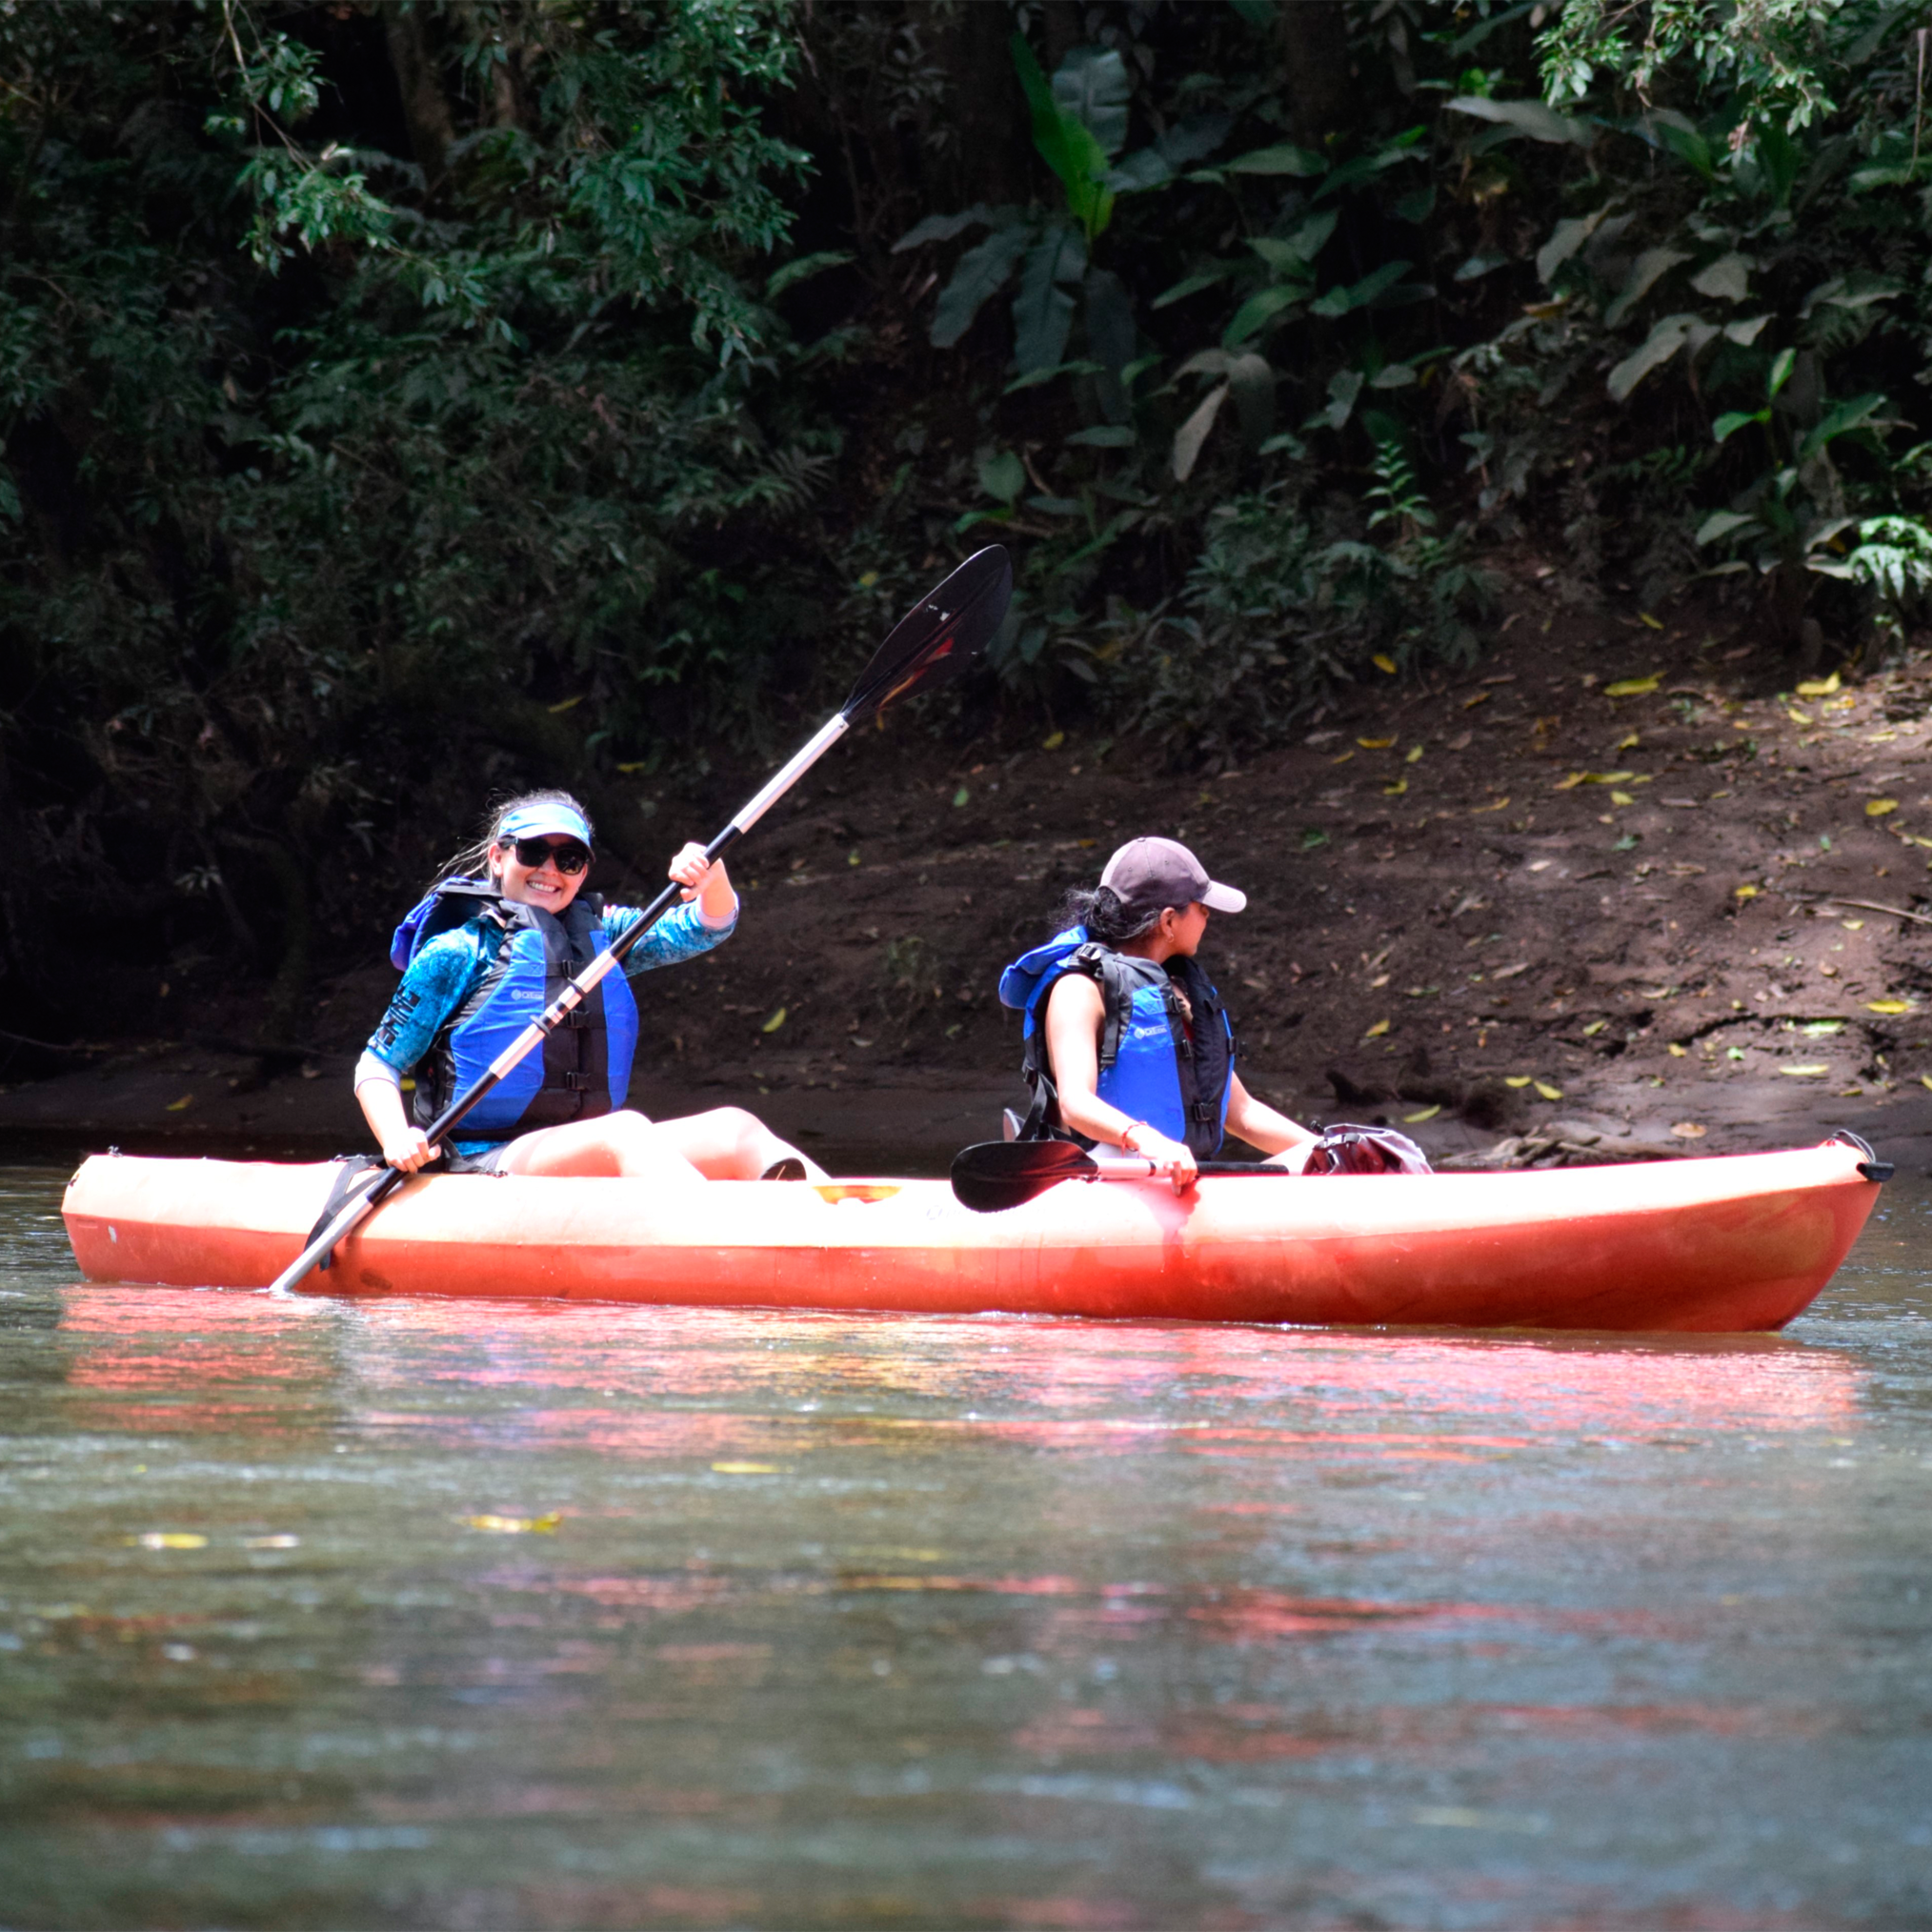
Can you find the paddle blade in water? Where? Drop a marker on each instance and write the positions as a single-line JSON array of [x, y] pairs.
[[932, 644], [1002, 1174]]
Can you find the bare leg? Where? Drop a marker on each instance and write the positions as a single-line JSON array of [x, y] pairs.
[[729, 1144], [622, 1143], [725, 1145]]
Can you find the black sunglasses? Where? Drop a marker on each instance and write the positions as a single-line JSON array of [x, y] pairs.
[[570, 855]]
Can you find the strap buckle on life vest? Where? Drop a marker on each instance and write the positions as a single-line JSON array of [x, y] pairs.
[[579, 1083]]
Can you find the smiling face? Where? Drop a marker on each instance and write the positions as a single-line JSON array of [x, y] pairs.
[[543, 886]]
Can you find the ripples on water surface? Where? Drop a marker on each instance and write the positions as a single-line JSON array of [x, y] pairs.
[[315, 1613]]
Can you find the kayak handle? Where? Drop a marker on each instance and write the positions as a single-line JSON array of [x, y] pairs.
[[1871, 1166]]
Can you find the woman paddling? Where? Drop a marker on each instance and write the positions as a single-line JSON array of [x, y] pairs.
[[483, 953], [1127, 1042]]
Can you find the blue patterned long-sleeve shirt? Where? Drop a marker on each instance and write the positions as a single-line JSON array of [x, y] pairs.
[[444, 974]]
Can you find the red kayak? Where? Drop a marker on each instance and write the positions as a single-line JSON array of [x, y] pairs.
[[1743, 1242]]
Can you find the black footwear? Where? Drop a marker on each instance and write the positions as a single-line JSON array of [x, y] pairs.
[[787, 1168]]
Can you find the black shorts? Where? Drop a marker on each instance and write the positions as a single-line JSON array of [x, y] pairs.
[[489, 1161]]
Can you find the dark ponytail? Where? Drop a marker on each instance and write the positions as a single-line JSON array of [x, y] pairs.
[[473, 860], [1104, 913]]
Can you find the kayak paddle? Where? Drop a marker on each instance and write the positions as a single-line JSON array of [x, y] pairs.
[[993, 1175], [929, 646]]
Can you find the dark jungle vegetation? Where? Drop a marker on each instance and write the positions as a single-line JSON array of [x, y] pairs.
[[403, 401]]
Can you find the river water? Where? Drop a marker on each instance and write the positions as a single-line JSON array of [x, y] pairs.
[[318, 1615]]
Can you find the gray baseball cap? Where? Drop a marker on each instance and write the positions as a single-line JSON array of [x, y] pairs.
[[1150, 874]]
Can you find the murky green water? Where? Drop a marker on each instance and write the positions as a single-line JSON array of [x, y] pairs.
[[447, 1616]]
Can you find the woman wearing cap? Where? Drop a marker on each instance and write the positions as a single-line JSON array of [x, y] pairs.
[[483, 953], [1127, 1042]]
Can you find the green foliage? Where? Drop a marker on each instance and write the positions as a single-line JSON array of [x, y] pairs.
[[317, 504]]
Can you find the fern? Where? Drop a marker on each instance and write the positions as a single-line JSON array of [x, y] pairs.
[[1894, 560]]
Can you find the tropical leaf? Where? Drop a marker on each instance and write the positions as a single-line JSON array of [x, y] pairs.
[[1285, 158], [1527, 117], [1257, 310], [1723, 523], [1645, 273], [1066, 144], [944, 226], [1192, 434], [1727, 279], [981, 273], [1043, 309], [1342, 301], [803, 270], [1565, 240], [1092, 85]]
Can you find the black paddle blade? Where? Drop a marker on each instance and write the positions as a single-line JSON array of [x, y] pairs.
[[935, 641], [1002, 1174]]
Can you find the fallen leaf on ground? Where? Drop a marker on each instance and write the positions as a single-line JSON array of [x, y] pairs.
[[1689, 1130], [1880, 808], [1570, 783], [1470, 703], [1384, 662], [167, 1540], [1819, 687], [1376, 1032], [1621, 798], [744, 1469], [1395, 790], [1343, 759], [1375, 744], [1745, 892], [1416, 1119], [1548, 1092], [1415, 751], [777, 1020], [1644, 617], [1608, 777], [175, 1106], [1595, 1027], [1926, 1079], [1798, 716], [1053, 742], [1888, 1006], [282, 1541], [1629, 744], [961, 795], [1678, 1052], [1634, 687], [515, 1525], [1807, 1070], [1516, 1080], [1495, 805]]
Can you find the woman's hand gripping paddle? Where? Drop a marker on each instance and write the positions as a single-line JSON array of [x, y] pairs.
[[1003, 1174], [929, 646]]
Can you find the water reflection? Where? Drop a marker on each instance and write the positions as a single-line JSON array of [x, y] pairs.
[[399, 1615]]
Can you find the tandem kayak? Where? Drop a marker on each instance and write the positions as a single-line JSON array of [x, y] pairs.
[[1698, 1245]]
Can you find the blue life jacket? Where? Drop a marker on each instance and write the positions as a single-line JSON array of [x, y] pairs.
[[1167, 1049], [584, 1069]]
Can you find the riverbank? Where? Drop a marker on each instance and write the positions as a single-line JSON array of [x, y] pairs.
[[1619, 888]]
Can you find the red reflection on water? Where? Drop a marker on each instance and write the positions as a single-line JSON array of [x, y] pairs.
[[1065, 1386], [1073, 1368], [185, 1360]]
